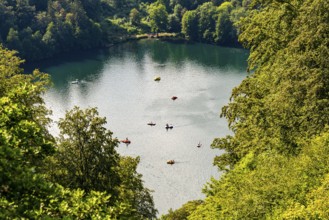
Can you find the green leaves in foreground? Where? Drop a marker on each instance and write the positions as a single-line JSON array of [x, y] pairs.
[[83, 177], [86, 156], [285, 101], [86, 159], [183, 212], [276, 160], [273, 186]]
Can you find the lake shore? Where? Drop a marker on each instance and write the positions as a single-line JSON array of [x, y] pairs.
[[119, 81], [169, 37]]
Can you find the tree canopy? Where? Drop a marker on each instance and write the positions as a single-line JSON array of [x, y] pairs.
[[42, 29], [275, 162]]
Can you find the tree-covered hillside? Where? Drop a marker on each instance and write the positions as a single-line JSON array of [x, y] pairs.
[[276, 161], [78, 175], [40, 29]]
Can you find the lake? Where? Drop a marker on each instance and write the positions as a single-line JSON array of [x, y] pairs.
[[119, 81]]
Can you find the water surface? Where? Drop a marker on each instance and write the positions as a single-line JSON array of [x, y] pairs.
[[119, 81]]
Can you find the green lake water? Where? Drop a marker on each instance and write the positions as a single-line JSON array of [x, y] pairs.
[[119, 81]]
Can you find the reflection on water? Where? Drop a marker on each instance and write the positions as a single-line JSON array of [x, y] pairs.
[[120, 82]]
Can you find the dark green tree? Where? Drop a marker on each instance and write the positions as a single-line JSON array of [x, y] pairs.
[[7, 19], [24, 13], [174, 24], [49, 39], [190, 25], [86, 157], [133, 193], [206, 21], [13, 40], [158, 17], [135, 16], [225, 32]]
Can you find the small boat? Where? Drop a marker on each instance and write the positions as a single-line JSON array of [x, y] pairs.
[[151, 124], [75, 81], [126, 141], [174, 98], [171, 162], [169, 126], [199, 144], [158, 78]]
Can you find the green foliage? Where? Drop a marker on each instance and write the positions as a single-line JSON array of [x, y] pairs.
[[113, 188], [158, 17], [76, 204], [133, 193], [214, 24], [285, 98], [318, 204], [24, 139], [174, 24], [182, 213], [64, 25], [206, 21], [24, 114], [135, 16], [225, 30], [190, 25], [270, 185], [86, 159], [86, 156], [13, 39], [276, 160]]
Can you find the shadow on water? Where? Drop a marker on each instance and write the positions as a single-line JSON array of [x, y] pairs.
[[83, 63], [201, 54], [71, 66]]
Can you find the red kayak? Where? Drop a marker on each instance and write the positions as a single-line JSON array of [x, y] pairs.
[[126, 141]]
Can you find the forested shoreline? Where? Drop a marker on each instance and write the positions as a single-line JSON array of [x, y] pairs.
[[42, 29], [276, 162]]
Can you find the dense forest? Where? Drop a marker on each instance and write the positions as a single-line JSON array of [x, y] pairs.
[[276, 162], [40, 29]]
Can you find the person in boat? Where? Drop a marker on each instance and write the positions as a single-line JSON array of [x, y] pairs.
[[125, 140], [169, 126], [151, 123]]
